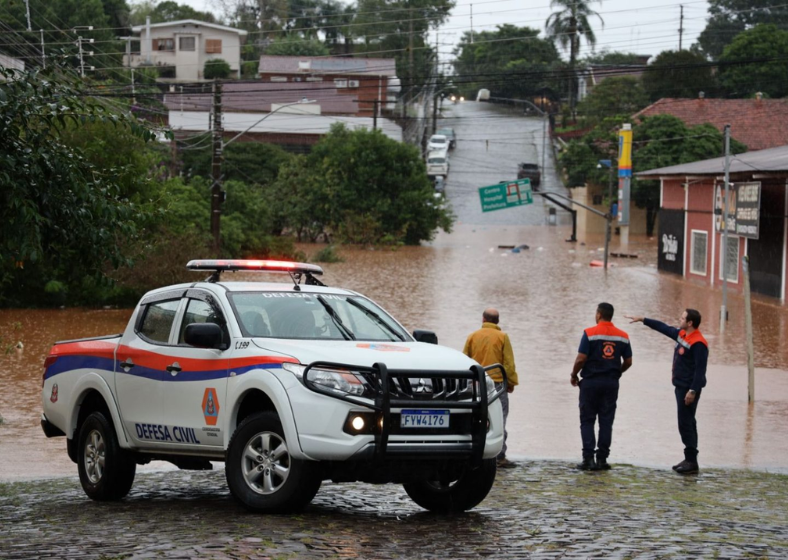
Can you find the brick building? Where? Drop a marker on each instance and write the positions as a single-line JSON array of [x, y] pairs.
[[690, 221]]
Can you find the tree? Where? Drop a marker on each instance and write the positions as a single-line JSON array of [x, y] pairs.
[[295, 46], [678, 74], [250, 162], [166, 11], [61, 216], [755, 62], [567, 26], [360, 186], [512, 62], [614, 58], [660, 141], [728, 18], [617, 95], [216, 68]]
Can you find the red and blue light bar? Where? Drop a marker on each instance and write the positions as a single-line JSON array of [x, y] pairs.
[[220, 265]]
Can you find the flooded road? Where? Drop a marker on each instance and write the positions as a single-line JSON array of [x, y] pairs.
[[546, 295]]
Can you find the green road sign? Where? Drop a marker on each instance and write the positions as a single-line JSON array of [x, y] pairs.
[[507, 194]]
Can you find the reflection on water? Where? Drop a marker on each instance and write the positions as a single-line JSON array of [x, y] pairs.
[[546, 295]]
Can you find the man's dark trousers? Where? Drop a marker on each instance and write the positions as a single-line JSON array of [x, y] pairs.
[[598, 396], [688, 428]]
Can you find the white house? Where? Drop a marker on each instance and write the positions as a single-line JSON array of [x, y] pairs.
[[179, 49]]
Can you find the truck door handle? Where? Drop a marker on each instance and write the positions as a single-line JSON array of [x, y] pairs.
[[174, 368], [127, 365]]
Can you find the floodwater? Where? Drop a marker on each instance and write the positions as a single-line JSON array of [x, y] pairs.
[[546, 295]]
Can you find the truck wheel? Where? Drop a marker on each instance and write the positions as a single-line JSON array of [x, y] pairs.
[[261, 473], [456, 496], [105, 470]]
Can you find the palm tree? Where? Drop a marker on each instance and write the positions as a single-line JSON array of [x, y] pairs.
[[567, 26]]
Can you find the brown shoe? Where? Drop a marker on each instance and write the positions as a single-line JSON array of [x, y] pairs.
[[505, 463]]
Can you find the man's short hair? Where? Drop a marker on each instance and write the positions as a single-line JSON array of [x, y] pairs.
[[693, 316], [490, 316], [605, 310]]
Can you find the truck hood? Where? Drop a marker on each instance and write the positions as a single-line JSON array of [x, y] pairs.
[[396, 355]]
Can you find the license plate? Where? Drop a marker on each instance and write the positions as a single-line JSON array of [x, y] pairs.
[[424, 419]]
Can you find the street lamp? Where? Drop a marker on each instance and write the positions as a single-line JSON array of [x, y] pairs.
[[609, 215], [303, 100]]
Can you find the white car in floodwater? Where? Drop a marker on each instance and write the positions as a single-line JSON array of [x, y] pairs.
[[289, 384]]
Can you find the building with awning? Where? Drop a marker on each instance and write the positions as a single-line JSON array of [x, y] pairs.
[[691, 220]]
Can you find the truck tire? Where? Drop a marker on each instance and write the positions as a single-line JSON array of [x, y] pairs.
[[262, 474], [105, 470], [457, 496]]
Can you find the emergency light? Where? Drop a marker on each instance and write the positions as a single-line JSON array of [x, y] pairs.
[[217, 266]]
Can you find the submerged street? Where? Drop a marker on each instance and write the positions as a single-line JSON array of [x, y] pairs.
[[547, 295]]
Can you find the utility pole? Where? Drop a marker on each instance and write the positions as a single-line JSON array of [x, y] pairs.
[[216, 169], [624, 178], [375, 113], [43, 53], [81, 55], [681, 26], [134, 93], [544, 136], [724, 244], [471, 24], [410, 49]]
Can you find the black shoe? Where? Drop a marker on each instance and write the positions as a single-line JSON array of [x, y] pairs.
[[686, 467], [587, 465], [676, 467], [505, 463], [602, 465]]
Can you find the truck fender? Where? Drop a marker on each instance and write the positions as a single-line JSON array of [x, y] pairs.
[[86, 383], [268, 383]]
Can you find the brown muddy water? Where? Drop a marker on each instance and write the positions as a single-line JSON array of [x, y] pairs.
[[546, 296]]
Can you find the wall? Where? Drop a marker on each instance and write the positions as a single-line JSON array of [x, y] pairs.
[[590, 223], [370, 87]]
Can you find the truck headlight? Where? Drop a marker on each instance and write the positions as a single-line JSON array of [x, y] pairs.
[[339, 381]]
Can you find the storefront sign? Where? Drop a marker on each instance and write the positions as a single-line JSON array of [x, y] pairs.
[[748, 209], [671, 241]]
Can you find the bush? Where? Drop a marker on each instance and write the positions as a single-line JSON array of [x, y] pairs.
[[216, 69], [327, 255]]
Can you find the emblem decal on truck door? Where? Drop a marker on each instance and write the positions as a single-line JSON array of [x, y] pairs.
[[53, 396], [210, 406]]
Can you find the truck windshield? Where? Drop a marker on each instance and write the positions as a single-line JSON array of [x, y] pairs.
[[436, 160], [305, 316]]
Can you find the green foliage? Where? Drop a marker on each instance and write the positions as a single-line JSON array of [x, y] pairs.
[[767, 47], [514, 51], [63, 209], [216, 69], [292, 45], [677, 74], [728, 18], [161, 12], [249, 162], [659, 141], [250, 69], [613, 58], [617, 95], [327, 254], [361, 187]]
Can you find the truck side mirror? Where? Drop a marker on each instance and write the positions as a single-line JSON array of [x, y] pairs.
[[425, 336], [203, 335]]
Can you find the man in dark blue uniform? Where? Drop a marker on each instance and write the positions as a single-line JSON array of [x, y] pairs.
[[604, 354], [690, 357]]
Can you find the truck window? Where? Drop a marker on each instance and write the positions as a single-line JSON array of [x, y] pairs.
[[157, 324]]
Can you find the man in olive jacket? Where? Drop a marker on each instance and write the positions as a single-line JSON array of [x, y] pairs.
[[490, 345]]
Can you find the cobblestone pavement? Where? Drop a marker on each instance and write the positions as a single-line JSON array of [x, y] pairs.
[[538, 510]]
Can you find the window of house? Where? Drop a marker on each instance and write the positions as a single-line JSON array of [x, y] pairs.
[[164, 44], [340, 83], [278, 78], [213, 46], [731, 259], [314, 79], [186, 44], [700, 243]]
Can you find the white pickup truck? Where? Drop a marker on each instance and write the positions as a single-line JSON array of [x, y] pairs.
[[289, 384]]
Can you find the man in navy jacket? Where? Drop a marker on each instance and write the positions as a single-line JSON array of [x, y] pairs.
[[689, 378]]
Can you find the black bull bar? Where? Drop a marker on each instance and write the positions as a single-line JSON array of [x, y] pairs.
[[380, 380]]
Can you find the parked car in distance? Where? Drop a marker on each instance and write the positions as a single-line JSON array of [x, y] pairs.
[[448, 133], [483, 95], [437, 164], [437, 142], [530, 171]]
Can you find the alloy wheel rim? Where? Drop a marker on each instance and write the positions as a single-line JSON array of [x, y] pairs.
[[265, 463], [95, 456]]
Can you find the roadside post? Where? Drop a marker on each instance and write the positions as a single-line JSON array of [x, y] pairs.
[[748, 331], [609, 216], [624, 179]]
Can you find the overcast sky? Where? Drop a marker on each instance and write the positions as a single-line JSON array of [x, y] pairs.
[[639, 26]]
